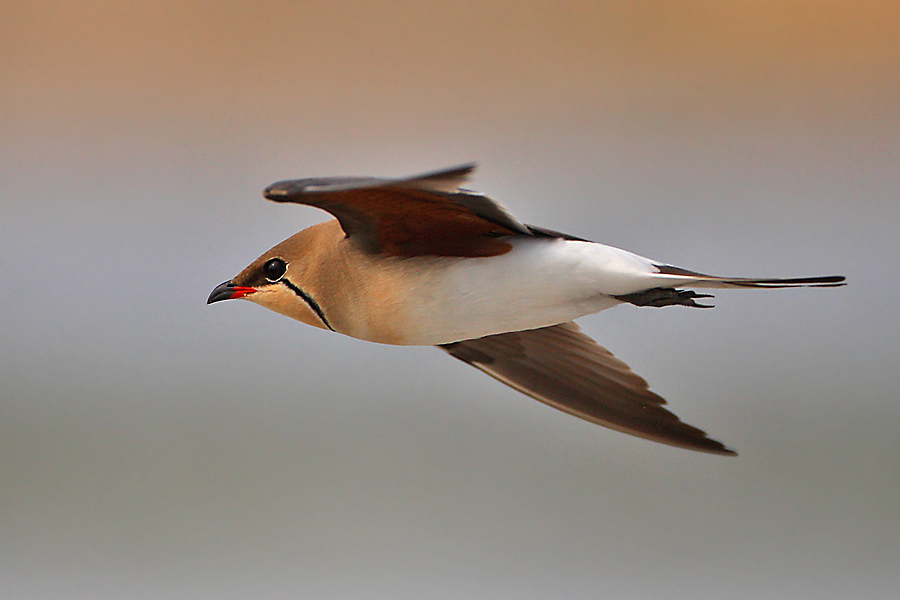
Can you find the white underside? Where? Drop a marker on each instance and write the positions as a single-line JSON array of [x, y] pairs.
[[539, 283]]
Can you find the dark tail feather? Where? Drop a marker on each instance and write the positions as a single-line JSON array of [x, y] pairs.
[[703, 280]]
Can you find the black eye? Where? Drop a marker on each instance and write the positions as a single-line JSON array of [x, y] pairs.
[[274, 269]]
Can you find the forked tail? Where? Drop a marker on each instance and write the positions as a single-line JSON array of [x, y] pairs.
[[671, 278], [697, 280]]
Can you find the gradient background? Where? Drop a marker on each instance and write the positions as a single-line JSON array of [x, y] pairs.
[[154, 447]]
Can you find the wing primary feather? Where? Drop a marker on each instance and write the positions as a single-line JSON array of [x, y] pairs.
[[444, 180]]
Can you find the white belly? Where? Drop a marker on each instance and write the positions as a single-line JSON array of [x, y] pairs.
[[539, 283]]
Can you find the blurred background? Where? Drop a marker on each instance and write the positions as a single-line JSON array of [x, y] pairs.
[[155, 447]]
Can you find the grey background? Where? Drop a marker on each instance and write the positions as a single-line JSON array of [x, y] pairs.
[[154, 447]]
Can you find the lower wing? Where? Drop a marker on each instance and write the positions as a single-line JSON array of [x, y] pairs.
[[561, 366]]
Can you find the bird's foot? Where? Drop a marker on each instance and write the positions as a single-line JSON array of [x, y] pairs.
[[659, 297]]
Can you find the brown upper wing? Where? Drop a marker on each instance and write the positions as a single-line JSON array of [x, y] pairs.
[[563, 367], [422, 215]]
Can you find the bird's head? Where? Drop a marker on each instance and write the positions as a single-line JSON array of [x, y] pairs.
[[279, 280]]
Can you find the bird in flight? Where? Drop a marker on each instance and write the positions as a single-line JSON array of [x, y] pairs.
[[420, 261]]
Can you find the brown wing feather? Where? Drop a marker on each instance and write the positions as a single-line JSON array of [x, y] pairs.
[[422, 215], [563, 367]]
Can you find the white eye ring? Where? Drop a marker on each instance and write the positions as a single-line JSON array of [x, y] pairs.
[[274, 269]]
